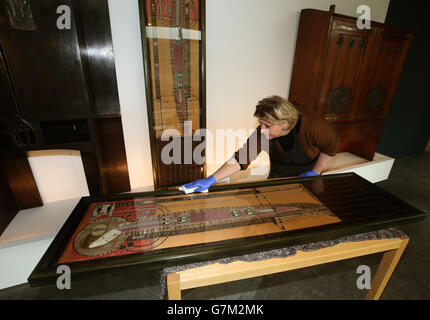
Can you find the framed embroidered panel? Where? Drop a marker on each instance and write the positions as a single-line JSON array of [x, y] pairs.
[[165, 228]]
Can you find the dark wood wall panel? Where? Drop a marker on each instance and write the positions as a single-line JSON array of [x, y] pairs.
[[8, 207], [45, 65], [110, 150], [7, 105], [18, 173], [93, 27], [92, 173], [58, 90]]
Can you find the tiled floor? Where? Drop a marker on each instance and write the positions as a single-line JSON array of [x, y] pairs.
[[409, 180]]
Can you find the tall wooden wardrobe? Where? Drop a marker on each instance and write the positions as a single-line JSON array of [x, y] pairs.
[[348, 74]]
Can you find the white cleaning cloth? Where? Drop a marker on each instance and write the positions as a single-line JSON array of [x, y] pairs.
[[190, 190]]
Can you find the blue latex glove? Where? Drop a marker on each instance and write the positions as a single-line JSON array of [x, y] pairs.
[[201, 185], [311, 173]]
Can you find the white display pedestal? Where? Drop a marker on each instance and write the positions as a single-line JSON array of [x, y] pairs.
[[27, 237], [376, 170]]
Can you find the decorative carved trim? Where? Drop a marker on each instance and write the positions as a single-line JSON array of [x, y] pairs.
[[338, 100], [363, 43], [22, 132], [20, 16], [335, 26], [376, 99]]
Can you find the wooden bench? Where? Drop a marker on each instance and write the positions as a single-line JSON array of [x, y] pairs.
[[220, 273]]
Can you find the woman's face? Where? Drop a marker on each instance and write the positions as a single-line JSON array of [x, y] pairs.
[[273, 131]]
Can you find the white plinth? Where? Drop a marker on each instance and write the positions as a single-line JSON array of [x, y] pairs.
[[376, 170], [27, 237]]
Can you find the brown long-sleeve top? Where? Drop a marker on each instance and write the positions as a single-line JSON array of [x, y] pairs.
[[314, 133]]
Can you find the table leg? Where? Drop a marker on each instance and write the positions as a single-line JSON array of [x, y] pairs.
[[383, 273], [173, 286]]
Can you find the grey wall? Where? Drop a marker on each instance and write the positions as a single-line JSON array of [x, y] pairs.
[[407, 128]]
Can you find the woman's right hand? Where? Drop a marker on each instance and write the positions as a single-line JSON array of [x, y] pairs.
[[201, 185]]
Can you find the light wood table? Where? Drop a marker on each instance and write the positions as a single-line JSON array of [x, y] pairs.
[[220, 273]]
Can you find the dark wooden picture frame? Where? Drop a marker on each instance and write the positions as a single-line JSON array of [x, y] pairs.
[[344, 194]]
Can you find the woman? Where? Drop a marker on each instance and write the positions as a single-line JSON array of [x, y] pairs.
[[301, 143]]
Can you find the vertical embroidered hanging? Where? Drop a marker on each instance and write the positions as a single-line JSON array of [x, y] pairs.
[[173, 45]]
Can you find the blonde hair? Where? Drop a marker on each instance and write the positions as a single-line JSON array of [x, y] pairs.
[[276, 110]]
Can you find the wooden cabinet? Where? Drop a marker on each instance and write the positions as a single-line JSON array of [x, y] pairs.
[[382, 72], [348, 74]]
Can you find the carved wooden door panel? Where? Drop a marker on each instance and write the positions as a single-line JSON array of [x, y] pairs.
[[382, 74], [346, 53]]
